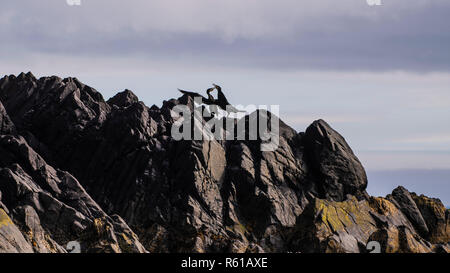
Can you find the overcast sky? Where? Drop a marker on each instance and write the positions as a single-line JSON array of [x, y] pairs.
[[380, 75]]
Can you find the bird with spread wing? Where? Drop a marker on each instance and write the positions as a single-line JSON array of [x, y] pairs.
[[221, 100], [223, 103]]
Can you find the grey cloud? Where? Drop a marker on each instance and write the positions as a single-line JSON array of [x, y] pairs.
[[406, 35]]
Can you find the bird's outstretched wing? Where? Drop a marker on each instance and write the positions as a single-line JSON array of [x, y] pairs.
[[190, 94], [195, 94]]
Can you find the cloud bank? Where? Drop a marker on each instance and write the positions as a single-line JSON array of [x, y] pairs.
[[408, 35]]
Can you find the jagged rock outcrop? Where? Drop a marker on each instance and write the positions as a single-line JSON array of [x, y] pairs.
[[436, 218], [403, 200], [71, 163], [11, 239], [6, 125], [338, 169], [123, 99], [49, 207], [347, 226]]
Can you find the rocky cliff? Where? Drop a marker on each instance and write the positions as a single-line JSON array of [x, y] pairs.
[[108, 174]]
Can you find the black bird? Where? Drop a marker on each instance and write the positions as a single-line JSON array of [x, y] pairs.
[[223, 103], [211, 101], [212, 107], [221, 100]]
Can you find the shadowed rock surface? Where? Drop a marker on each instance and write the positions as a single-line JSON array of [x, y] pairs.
[[74, 167]]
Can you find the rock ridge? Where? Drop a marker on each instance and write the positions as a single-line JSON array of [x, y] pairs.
[[108, 174]]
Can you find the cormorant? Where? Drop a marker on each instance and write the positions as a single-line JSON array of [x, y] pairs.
[[223, 103], [221, 100], [212, 107], [211, 101]]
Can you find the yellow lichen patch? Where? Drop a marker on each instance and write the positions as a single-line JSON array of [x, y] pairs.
[[392, 243], [29, 233], [115, 248], [125, 244], [383, 206], [337, 216], [435, 206], [99, 226], [241, 228], [4, 218], [429, 202], [330, 217], [126, 239], [440, 231]]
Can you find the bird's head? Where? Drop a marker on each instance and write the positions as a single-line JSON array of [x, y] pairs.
[[216, 86], [209, 90]]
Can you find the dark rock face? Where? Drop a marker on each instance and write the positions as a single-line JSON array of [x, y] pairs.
[[338, 169], [51, 208], [436, 218], [403, 199], [123, 99], [6, 125], [71, 163]]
